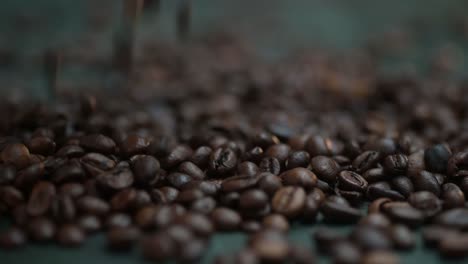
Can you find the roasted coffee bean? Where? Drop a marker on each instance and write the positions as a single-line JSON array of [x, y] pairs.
[[230, 199], [11, 197], [70, 235], [426, 181], [299, 177], [345, 252], [289, 201], [311, 207], [223, 161], [166, 214], [270, 246], [351, 181], [253, 200], [269, 183], [27, 177], [19, 215], [436, 158], [41, 198], [339, 212], [159, 247], [434, 234], [254, 155], [115, 180], [382, 190], [380, 257], [92, 205], [403, 185], [134, 144], [324, 186], [211, 187], [98, 143], [74, 190], [68, 172], [41, 145], [96, 163], [248, 168], [317, 145], [452, 196], [404, 213], [326, 168], [271, 165], [192, 252], [12, 238], [70, 151], [118, 220], [370, 238], [191, 169], [374, 175], [386, 146], [225, 219], [201, 156], [16, 154], [376, 220], [325, 239], [427, 202], [276, 222], [376, 205], [63, 208], [122, 238], [396, 164], [453, 218], [250, 226], [402, 237], [264, 139], [298, 159], [89, 223], [178, 179], [238, 183], [366, 161], [457, 165], [278, 151], [317, 195], [41, 229], [189, 195], [145, 217], [164, 194], [145, 170], [416, 163], [342, 160], [7, 174], [178, 155], [199, 224], [454, 246]]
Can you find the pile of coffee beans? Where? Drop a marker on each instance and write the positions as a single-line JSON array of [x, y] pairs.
[[218, 141]]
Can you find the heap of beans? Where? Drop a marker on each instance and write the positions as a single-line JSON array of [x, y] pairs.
[[232, 144]]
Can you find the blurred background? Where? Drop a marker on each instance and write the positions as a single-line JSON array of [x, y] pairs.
[[411, 31]]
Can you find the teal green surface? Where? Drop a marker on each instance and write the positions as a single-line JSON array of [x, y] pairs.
[[273, 26]]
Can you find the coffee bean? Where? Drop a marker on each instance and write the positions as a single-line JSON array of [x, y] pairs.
[[74, 190], [326, 168], [238, 183], [270, 246], [134, 144], [452, 196], [41, 229], [63, 208], [225, 219], [209, 187], [201, 156], [41, 145], [118, 220], [92, 205], [70, 171], [230, 199], [122, 238], [199, 224], [223, 161], [192, 252], [370, 238], [311, 206], [41, 198], [7, 174], [27, 177], [457, 164], [396, 164], [189, 195], [70, 151], [166, 214], [98, 143], [96, 163], [434, 234], [16, 154], [164, 194], [253, 200], [380, 257], [402, 237], [374, 175], [276, 222], [416, 163], [382, 190], [366, 161], [427, 202], [289, 201], [115, 180], [269, 183], [264, 140], [326, 238], [351, 181], [299, 177], [248, 168], [436, 157], [254, 155], [404, 213], [375, 220], [339, 212], [298, 159], [204, 205], [454, 246], [145, 170], [345, 252], [426, 181], [376, 205], [159, 247], [278, 151], [271, 165], [191, 169], [89, 223], [70, 235], [403, 185], [250, 226], [12, 238], [10, 196], [317, 145], [453, 218]]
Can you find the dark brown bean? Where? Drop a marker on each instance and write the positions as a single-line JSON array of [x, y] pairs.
[[326, 168], [178, 155], [338, 212], [325, 239], [164, 194], [317, 145], [118, 220], [16, 154], [371, 238], [351, 181], [98, 143], [191, 169], [89, 223], [299, 177], [70, 235], [402, 237], [248, 168], [134, 144], [269, 183], [345, 252], [403, 213], [271, 165], [270, 246], [457, 165], [436, 158], [289, 201], [201, 156], [253, 200], [453, 218], [223, 161], [92, 205], [123, 238], [74, 190], [145, 169], [454, 246], [200, 224], [10, 196], [374, 175], [41, 198], [403, 185], [376, 220], [382, 190], [298, 159], [238, 183], [426, 181], [7, 174], [63, 208], [396, 164], [41, 229], [366, 161], [115, 180], [452, 196], [225, 219], [276, 222], [427, 202], [159, 247]]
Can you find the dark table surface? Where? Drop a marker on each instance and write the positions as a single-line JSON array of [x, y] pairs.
[[275, 27]]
